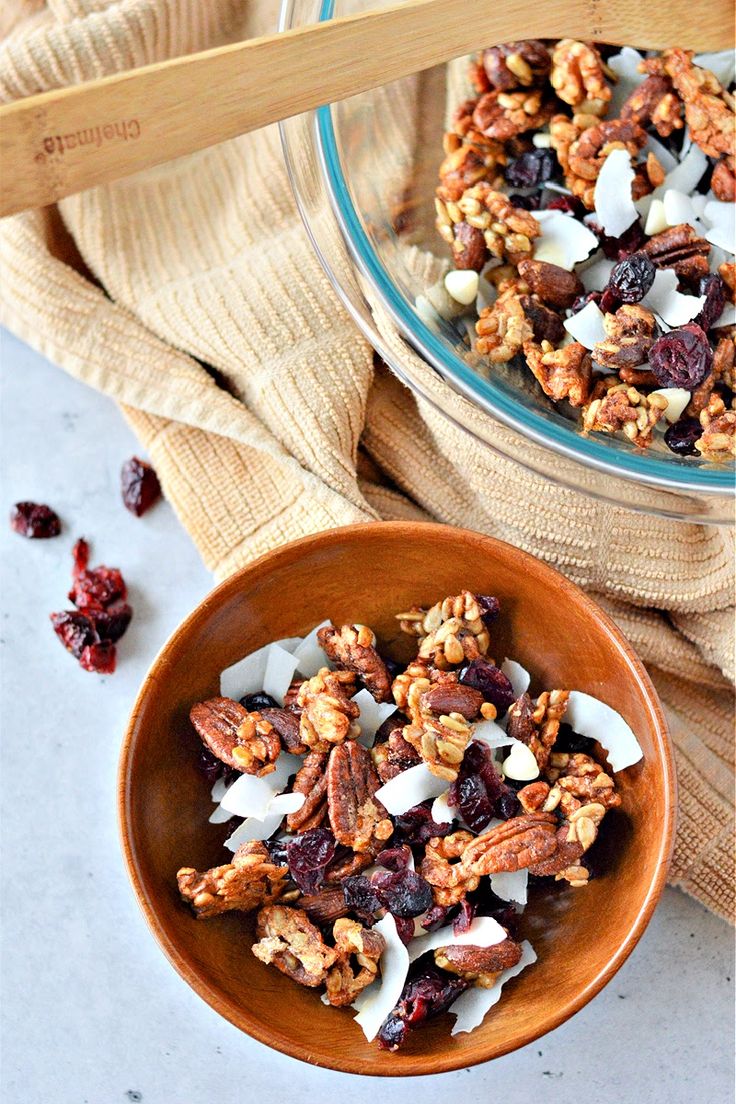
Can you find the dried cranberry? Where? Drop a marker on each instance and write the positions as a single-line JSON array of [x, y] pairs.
[[75, 631], [681, 358], [533, 168], [464, 918], [360, 896], [507, 804], [583, 300], [308, 856], [568, 204], [428, 993], [395, 858], [254, 702], [493, 684], [404, 928], [98, 657], [469, 795], [572, 742], [526, 202], [436, 917], [139, 486], [632, 278], [417, 826], [713, 288], [404, 892], [618, 248], [277, 851], [392, 667], [680, 438], [490, 607], [34, 520], [98, 587], [208, 765], [112, 621]]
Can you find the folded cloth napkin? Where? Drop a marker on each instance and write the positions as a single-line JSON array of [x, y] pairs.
[[191, 295]]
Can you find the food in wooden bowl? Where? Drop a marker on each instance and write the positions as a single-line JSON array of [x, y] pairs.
[[339, 881]]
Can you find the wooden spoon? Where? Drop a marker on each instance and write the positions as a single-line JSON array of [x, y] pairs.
[[69, 139]]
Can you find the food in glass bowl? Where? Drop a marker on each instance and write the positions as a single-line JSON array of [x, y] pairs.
[[386, 820], [587, 197]]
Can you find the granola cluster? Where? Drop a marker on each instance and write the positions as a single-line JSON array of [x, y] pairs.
[[328, 872], [533, 140]]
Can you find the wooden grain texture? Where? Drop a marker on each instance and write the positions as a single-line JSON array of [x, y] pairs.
[[365, 573], [69, 139]]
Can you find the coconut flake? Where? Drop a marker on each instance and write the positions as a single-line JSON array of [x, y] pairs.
[[676, 398], [410, 788], [587, 325], [286, 803], [614, 207], [309, 656], [254, 829], [471, 1006], [564, 241], [251, 796], [722, 236], [462, 285], [483, 932], [245, 676], [517, 675], [656, 218], [727, 317], [219, 815], [665, 300], [376, 1002], [441, 811], [426, 311], [666, 158], [678, 208], [722, 65], [372, 715], [626, 67], [491, 734], [219, 789], [686, 175], [511, 885], [593, 718], [280, 668], [595, 276]]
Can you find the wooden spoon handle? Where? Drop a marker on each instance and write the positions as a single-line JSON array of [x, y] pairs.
[[69, 139]]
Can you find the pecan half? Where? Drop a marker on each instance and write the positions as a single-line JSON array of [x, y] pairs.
[[328, 711], [352, 648], [504, 115], [246, 883], [358, 951], [288, 940], [632, 331], [243, 741], [479, 964], [357, 819], [577, 77], [514, 845], [563, 373], [311, 780], [679, 247], [516, 65], [654, 103], [709, 109], [727, 272], [553, 285], [442, 867]]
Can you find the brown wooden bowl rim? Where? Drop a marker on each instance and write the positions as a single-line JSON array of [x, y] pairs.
[[239, 1015]]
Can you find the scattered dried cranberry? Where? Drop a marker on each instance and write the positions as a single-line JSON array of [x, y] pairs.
[[478, 792], [98, 657], [404, 892], [567, 204], [112, 621], [254, 702], [139, 486], [404, 928], [308, 856], [493, 684], [713, 288], [609, 303], [632, 278], [417, 826], [680, 438], [395, 858], [96, 588], [469, 795], [360, 896], [681, 358], [428, 993], [618, 248], [583, 300], [75, 631], [34, 520], [464, 918], [490, 607], [436, 917], [533, 168]]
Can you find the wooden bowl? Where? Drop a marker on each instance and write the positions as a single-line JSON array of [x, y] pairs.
[[366, 573]]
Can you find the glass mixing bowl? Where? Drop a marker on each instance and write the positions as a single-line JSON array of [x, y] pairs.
[[363, 173]]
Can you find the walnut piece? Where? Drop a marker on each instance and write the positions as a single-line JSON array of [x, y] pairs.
[[328, 712], [632, 331], [288, 940], [590, 150], [563, 373], [616, 407], [483, 222], [442, 868], [577, 77], [353, 648], [718, 439], [680, 248], [357, 819], [654, 103], [441, 742], [723, 181], [516, 65], [246, 883], [243, 741], [578, 780], [451, 633], [503, 328], [537, 724], [504, 115], [516, 844], [479, 964], [709, 109], [354, 946], [311, 780]]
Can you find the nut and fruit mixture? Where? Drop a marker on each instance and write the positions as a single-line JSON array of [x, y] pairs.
[[587, 199], [386, 821]]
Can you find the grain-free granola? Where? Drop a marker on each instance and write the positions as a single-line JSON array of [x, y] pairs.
[[587, 199], [385, 823]]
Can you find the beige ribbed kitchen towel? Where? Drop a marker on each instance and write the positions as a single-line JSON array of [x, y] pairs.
[[190, 294]]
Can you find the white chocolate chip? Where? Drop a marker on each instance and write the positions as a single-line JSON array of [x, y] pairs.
[[676, 398], [542, 140], [656, 219], [521, 764], [462, 285]]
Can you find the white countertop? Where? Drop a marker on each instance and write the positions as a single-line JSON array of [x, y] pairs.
[[91, 1011]]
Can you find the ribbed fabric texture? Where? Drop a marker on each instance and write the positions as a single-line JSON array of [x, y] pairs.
[[134, 287]]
